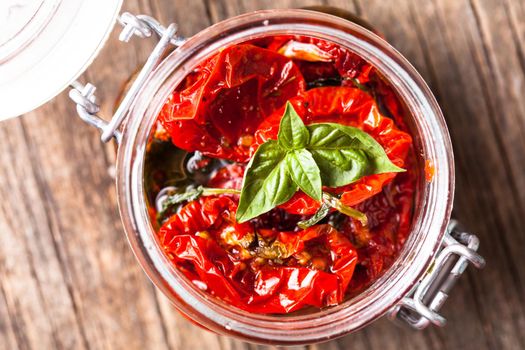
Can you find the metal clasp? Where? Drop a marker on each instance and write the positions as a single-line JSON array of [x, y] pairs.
[[420, 308], [84, 95]]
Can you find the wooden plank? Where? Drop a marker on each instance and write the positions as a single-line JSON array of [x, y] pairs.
[[504, 86], [94, 258], [9, 330], [69, 280], [473, 120], [38, 306]]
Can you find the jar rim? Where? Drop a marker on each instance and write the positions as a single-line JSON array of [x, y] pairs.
[[428, 227]]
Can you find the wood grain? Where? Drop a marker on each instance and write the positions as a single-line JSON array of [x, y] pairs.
[[69, 281]]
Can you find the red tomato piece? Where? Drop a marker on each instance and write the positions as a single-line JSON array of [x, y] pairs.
[[218, 107], [330, 57], [347, 63], [229, 176]]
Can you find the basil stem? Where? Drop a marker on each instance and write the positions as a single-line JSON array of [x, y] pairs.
[[321, 213], [358, 85], [335, 203], [206, 191]]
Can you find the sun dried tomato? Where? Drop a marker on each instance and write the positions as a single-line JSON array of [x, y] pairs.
[[218, 107]]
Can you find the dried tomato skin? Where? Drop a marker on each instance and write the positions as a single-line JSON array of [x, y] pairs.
[[347, 106], [343, 63], [192, 240], [229, 176], [348, 64], [226, 97]]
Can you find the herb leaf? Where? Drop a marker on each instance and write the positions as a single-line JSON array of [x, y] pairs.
[[339, 156], [380, 163], [305, 173], [267, 182], [344, 154], [171, 202], [293, 134], [178, 198]]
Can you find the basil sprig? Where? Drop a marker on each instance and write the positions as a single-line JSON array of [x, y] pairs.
[[307, 158]]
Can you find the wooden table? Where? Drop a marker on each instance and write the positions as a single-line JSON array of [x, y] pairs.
[[69, 280]]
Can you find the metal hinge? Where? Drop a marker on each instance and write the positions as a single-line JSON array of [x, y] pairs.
[[421, 307], [84, 95]]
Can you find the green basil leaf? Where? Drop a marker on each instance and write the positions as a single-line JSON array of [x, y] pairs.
[[319, 215], [172, 201], [344, 154], [340, 158], [267, 182], [293, 134], [178, 198], [380, 163], [305, 173], [335, 169]]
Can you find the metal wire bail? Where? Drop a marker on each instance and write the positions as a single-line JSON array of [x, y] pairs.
[[83, 95], [421, 307]]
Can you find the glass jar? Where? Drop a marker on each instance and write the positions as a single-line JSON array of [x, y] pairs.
[[410, 289]]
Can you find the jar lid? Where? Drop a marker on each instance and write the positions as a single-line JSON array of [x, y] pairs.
[[45, 45]]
